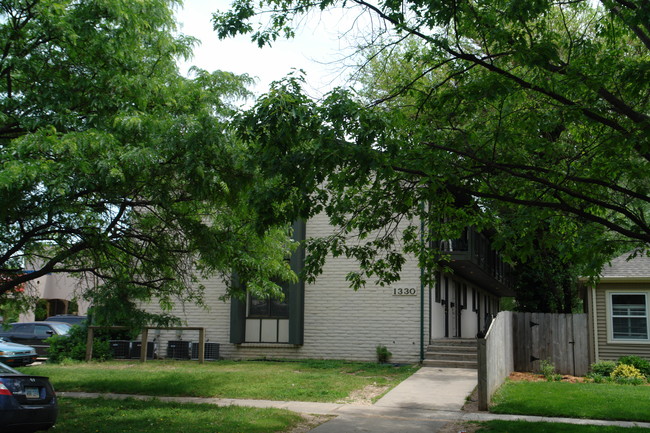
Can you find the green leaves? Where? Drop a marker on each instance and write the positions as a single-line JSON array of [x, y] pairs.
[[118, 169], [525, 118]]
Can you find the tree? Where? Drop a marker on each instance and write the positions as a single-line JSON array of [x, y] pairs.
[[506, 113], [116, 167]]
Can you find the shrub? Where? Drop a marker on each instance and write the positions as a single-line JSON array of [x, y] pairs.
[[548, 370], [73, 346], [623, 373], [603, 368], [596, 377], [383, 354], [629, 380], [643, 365]]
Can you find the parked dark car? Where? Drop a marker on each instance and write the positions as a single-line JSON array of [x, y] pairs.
[[27, 403], [70, 319], [16, 354], [34, 334]]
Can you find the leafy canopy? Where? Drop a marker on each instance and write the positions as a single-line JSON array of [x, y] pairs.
[[515, 116], [116, 167]]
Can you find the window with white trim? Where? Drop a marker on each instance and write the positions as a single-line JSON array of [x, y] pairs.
[[629, 314]]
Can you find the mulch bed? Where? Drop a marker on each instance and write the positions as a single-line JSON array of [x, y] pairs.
[[534, 377]]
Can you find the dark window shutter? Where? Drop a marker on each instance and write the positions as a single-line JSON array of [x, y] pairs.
[[237, 317], [297, 290]]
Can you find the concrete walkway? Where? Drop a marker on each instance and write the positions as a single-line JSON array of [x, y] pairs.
[[425, 402]]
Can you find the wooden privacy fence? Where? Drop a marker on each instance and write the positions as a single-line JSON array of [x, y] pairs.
[[520, 341], [562, 339]]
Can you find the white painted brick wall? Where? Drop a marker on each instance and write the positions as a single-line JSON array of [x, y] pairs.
[[339, 322]]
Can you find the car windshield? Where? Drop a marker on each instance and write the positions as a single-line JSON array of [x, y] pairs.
[[61, 328], [5, 369]]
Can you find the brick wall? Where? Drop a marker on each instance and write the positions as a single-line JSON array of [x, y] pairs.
[[339, 322]]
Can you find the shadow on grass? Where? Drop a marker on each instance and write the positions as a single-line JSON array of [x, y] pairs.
[[119, 416]]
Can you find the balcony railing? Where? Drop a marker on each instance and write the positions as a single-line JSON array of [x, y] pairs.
[[475, 248]]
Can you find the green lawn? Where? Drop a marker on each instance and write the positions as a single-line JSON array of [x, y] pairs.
[[545, 427], [574, 400], [121, 416], [319, 381]]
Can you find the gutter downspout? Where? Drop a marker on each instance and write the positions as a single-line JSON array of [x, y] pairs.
[[422, 290], [595, 324]]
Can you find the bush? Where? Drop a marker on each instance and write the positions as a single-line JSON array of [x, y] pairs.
[[643, 365], [624, 373], [630, 380], [596, 377], [73, 346], [603, 368], [383, 354], [548, 370]]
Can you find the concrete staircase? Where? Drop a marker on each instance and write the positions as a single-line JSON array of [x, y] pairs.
[[452, 353]]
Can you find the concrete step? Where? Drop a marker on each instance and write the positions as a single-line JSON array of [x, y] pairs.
[[456, 349], [449, 364], [452, 356], [452, 353], [464, 342]]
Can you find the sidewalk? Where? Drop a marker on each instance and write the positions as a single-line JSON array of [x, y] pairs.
[[425, 402]]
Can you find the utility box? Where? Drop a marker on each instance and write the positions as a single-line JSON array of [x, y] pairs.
[[120, 349], [211, 351], [178, 349], [136, 349]]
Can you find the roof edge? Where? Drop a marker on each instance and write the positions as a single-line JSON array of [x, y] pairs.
[[619, 279]]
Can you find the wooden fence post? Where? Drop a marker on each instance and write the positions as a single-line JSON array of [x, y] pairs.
[[143, 347], [201, 345]]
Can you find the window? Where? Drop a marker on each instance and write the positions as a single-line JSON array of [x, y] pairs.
[[475, 307], [464, 306], [268, 307], [27, 328], [629, 313], [272, 320], [438, 296], [42, 331]]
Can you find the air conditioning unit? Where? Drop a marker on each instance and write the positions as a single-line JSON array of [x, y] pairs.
[[178, 349], [136, 349], [120, 348], [211, 351]]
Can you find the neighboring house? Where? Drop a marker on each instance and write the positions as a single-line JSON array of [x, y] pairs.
[[619, 307], [58, 293], [328, 319]]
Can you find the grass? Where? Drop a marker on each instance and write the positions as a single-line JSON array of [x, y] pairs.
[[121, 416], [544, 427], [574, 400], [318, 381]]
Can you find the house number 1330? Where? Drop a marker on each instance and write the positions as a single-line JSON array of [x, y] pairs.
[[404, 292]]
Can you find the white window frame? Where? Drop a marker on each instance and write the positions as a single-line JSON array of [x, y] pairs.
[[610, 316]]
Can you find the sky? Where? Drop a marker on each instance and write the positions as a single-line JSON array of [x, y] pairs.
[[317, 48]]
